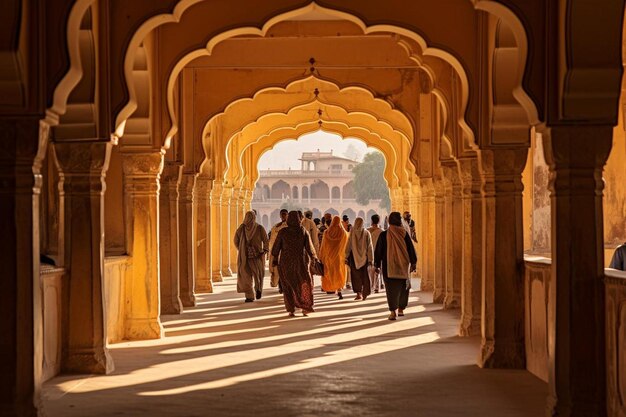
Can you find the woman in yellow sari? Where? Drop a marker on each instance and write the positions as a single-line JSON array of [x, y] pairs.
[[332, 255]]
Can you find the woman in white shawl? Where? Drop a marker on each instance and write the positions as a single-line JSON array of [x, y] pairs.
[[360, 255], [252, 244]]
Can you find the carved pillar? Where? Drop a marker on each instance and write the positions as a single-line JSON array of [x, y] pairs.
[[576, 320], [234, 222], [203, 243], [141, 187], [169, 239], [241, 204], [82, 169], [225, 241], [187, 239], [23, 145], [427, 240], [471, 285], [503, 259], [440, 242], [454, 243], [216, 236]]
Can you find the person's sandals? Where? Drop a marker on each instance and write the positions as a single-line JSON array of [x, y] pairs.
[[392, 315], [248, 300], [340, 295], [258, 294], [400, 313], [292, 314], [358, 296]]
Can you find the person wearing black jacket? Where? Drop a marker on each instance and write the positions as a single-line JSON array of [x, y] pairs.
[[395, 256]]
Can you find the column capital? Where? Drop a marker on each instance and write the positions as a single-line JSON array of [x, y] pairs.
[[575, 160], [186, 187], [172, 172], [469, 171], [82, 166], [138, 165], [501, 170]]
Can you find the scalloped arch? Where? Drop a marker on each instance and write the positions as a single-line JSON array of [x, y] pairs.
[[393, 171], [302, 92], [254, 131], [179, 9]]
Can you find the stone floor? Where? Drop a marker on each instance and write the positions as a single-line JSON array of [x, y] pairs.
[[227, 358]]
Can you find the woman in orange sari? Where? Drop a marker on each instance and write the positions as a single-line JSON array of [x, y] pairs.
[[332, 255]]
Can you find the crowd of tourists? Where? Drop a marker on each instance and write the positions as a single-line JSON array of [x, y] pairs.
[[345, 255]]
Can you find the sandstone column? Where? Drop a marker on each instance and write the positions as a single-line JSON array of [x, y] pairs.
[[23, 143], [576, 338], [440, 242], [187, 239], [454, 243], [82, 169], [427, 240], [226, 241], [169, 239], [141, 185], [471, 286], [234, 222], [503, 259], [215, 232], [203, 243]]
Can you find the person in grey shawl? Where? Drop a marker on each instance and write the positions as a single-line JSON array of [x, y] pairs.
[[252, 245], [359, 256]]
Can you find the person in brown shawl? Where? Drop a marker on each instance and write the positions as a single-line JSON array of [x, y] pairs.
[[291, 253], [252, 245], [396, 255]]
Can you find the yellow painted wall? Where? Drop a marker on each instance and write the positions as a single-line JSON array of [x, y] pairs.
[[615, 190]]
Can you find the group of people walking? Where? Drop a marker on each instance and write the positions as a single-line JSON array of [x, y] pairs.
[[300, 247]]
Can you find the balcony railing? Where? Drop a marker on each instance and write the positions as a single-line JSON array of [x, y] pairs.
[[300, 173]]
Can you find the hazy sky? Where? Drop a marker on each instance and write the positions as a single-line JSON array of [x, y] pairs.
[[285, 154]]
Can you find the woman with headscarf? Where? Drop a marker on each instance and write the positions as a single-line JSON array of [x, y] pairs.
[[291, 253], [332, 256], [395, 254], [252, 245], [359, 256]]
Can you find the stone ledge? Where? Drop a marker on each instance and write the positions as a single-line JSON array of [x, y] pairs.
[[46, 269]]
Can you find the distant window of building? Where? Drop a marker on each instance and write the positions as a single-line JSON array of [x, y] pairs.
[[336, 167]]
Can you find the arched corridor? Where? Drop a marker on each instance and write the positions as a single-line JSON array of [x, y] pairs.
[[225, 358], [130, 135]]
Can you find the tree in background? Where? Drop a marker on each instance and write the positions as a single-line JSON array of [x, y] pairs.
[[352, 152], [369, 180]]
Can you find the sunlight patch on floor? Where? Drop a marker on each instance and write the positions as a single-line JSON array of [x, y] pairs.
[[331, 358]]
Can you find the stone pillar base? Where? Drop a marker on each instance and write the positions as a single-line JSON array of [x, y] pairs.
[[470, 326], [217, 277], [507, 355], [426, 286], [227, 272], [438, 296], [88, 361], [204, 287], [189, 300], [142, 329], [452, 301], [171, 306]]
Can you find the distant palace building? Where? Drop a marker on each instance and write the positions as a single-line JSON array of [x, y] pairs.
[[324, 184]]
